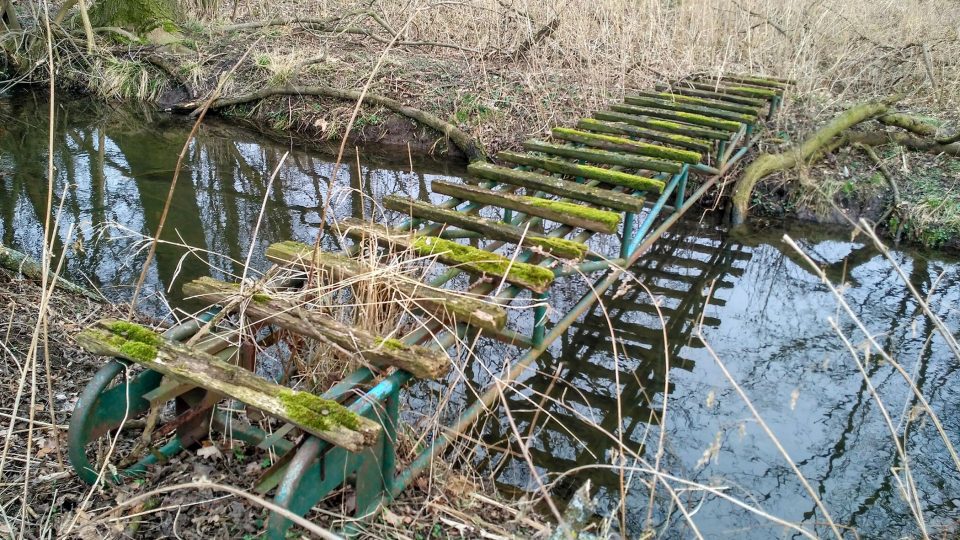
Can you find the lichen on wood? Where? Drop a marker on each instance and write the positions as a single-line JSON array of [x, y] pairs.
[[468, 258], [493, 230], [767, 164], [558, 186], [323, 418], [610, 142], [607, 176], [680, 116], [572, 214], [655, 134]]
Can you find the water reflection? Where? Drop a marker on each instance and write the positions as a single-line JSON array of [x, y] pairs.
[[767, 320], [114, 166]]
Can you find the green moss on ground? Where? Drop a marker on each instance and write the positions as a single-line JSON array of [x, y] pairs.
[[317, 413]]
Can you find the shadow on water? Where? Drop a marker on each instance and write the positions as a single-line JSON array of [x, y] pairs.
[[759, 308]]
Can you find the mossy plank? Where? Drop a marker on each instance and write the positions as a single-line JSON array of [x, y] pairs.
[[621, 128], [290, 315], [684, 90], [704, 102], [727, 90], [689, 108], [467, 258], [765, 88], [607, 176], [576, 215], [666, 126], [677, 116], [493, 230], [557, 186], [320, 417], [604, 157], [765, 80], [446, 305], [621, 144]]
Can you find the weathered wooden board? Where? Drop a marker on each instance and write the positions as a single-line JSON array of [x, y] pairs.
[[557, 186], [493, 230], [290, 315], [607, 176], [446, 305], [623, 144], [468, 258], [326, 419], [576, 215]]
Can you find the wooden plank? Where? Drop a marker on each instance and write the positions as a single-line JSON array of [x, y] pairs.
[[628, 161], [684, 90], [621, 144], [739, 91], [572, 214], [766, 80], [323, 418], [467, 258], [622, 128], [748, 82], [676, 116], [704, 110], [290, 315], [705, 102], [168, 389], [446, 305], [664, 125], [493, 230], [557, 186], [607, 176]]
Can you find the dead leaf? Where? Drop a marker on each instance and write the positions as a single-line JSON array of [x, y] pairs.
[[210, 452]]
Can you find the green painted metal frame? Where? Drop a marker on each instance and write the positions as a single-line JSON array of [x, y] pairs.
[[310, 471]]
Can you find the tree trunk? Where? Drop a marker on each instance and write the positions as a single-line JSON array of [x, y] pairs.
[[139, 16]]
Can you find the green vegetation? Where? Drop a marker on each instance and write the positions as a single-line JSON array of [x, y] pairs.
[[484, 261], [134, 341], [610, 219], [317, 413], [558, 245]]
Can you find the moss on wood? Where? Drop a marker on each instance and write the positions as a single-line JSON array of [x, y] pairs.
[[616, 178], [626, 145], [651, 133], [521, 203], [479, 261], [680, 116], [493, 230], [610, 219], [309, 410], [446, 305], [558, 187]]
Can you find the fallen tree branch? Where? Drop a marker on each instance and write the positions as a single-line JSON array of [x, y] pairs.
[[15, 261], [461, 139], [768, 164], [950, 139], [877, 138], [910, 123]]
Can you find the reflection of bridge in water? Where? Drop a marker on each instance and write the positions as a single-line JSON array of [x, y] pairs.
[[686, 274]]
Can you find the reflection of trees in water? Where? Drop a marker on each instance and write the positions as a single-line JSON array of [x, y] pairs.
[[116, 164]]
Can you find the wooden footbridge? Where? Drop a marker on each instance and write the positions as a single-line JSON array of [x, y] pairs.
[[626, 172]]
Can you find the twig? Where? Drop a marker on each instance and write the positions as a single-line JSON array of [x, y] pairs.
[[895, 191]]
